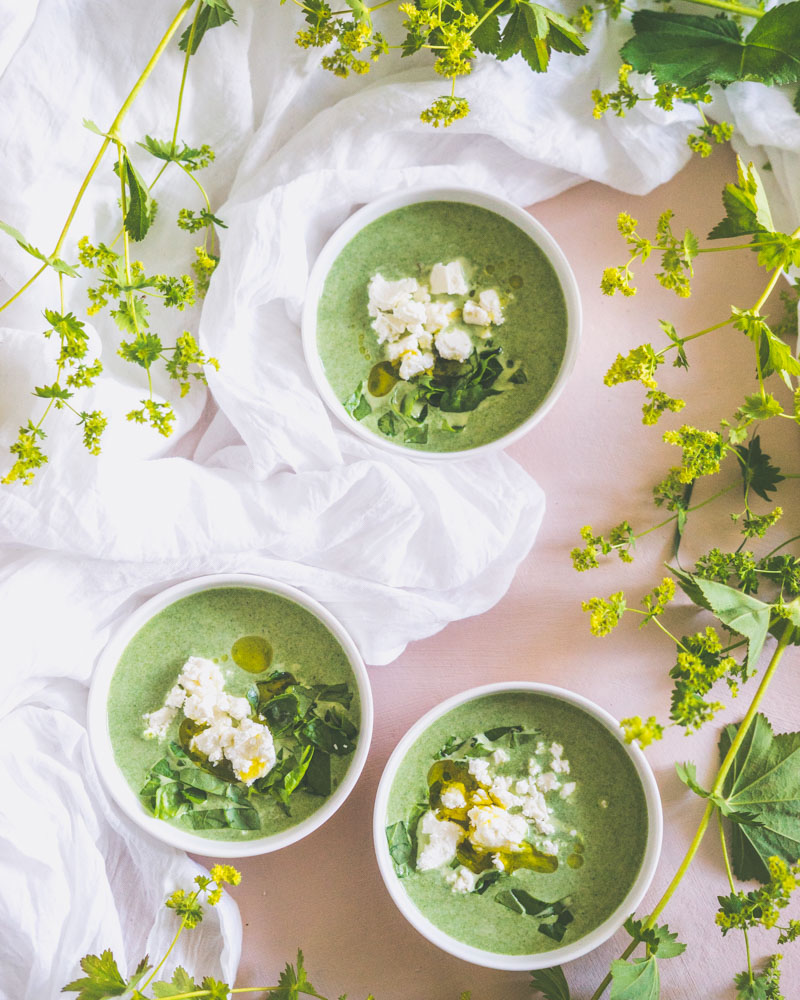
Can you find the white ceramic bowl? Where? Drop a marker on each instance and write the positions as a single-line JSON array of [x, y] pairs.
[[558, 954], [103, 752], [374, 210]]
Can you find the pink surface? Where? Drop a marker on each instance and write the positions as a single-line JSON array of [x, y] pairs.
[[597, 464]]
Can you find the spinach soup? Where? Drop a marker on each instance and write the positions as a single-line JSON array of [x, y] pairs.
[[233, 713], [516, 823], [441, 326]]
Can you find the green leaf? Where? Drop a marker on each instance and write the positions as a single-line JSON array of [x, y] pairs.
[[140, 208], [181, 982], [523, 902], [691, 50], [357, 404], [758, 407], [740, 612], [53, 391], [162, 149], [211, 14], [688, 775], [401, 848], [102, 978], [746, 206], [636, 980], [216, 990], [763, 784], [660, 940], [144, 350], [387, 424], [318, 774], [758, 473], [132, 320], [232, 818], [330, 738], [533, 31], [55, 262], [551, 983], [292, 983]]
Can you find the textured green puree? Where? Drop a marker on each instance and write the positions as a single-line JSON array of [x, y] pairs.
[[495, 254], [207, 624], [614, 836]]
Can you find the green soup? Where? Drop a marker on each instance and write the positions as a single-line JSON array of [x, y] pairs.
[[495, 254], [251, 634], [601, 826]]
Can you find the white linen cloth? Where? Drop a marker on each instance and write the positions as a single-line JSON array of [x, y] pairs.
[[258, 477]]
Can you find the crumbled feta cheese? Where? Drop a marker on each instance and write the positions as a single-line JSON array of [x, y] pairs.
[[490, 302], [252, 751], [500, 756], [522, 787], [448, 279], [547, 782], [453, 798], [474, 315], [437, 840], [414, 363], [550, 847], [559, 765], [410, 312], [501, 792], [400, 347], [461, 879], [567, 790], [534, 767], [556, 750], [437, 315], [386, 295], [498, 863], [540, 747], [425, 340], [422, 294], [158, 722], [479, 769], [175, 698], [573, 833], [496, 828], [535, 808], [454, 344], [387, 327]]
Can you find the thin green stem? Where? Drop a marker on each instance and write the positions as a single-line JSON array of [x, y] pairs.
[[112, 131], [192, 177], [488, 14], [189, 47], [160, 965], [689, 510], [694, 336], [716, 789], [732, 885], [777, 548], [732, 8]]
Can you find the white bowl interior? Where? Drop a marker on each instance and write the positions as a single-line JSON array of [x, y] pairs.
[[103, 752], [554, 956], [374, 210]]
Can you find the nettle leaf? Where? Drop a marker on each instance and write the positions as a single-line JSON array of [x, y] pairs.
[[102, 978], [636, 980], [773, 46], [551, 983], [533, 31], [211, 14], [144, 350], [162, 149], [486, 36], [660, 940], [55, 262], [293, 982], [746, 206], [141, 207], [401, 848], [758, 407], [688, 775], [758, 473], [763, 790], [740, 612], [357, 404]]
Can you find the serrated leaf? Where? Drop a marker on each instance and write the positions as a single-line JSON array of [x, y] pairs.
[[294, 982], [763, 784], [216, 990], [131, 320], [688, 775], [88, 123], [692, 50], [181, 982], [551, 983], [740, 612], [758, 472], [162, 149], [636, 980], [746, 206], [102, 978], [139, 212], [55, 262], [53, 391], [212, 14]]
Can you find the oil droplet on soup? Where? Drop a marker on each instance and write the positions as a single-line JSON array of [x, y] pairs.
[[252, 653]]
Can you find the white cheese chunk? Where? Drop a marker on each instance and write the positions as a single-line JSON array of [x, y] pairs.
[[479, 769], [386, 295], [437, 840], [387, 327], [414, 363], [410, 312], [500, 756], [567, 789], [461, 879], [547, 782], [473, 314], [453, 798], [550, 846], [158, 722], [453, 344], [495, 828], [501, 792], [438, 315], [448, 279], [489, 301], [400, 347]]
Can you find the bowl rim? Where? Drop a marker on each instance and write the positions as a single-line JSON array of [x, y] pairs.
[[554, 956], [372, 211], [102, 747]]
